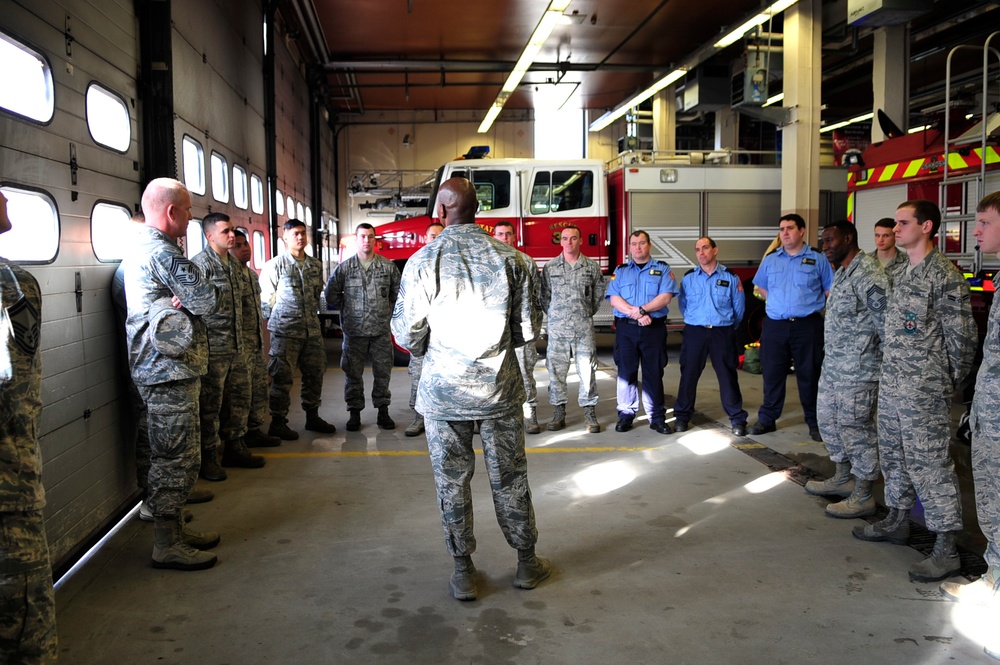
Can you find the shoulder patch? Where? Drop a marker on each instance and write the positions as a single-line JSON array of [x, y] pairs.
[[671, 273], [25, 324], [739, 286], [876, 299], [183, 270]]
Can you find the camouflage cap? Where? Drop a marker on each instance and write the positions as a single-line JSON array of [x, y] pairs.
[[171, 330]]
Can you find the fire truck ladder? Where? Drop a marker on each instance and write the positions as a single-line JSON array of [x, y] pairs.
[[971, 142]]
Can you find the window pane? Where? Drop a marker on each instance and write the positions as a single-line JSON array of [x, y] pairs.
[[220, 178], [300, 212], [290, 206], [112, 231], [259, 251], [107, 118], [194, 165], [27, 81], [34, 234], [256, 195], [540, 194], [572, 190], [309, 216], [492, 188], [195, 241], [279, 202], [240, 195]]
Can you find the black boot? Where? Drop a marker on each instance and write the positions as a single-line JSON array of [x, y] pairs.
[[236, 454], [316, 424], [256, 439], [280, 429], [354, 422], [384, 421], [210, 469]]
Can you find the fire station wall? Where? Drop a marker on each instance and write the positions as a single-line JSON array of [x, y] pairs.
[[871, 205]]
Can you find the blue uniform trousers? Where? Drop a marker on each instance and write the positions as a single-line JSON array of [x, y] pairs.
[[637, 345], [698, 344], [799, 340]]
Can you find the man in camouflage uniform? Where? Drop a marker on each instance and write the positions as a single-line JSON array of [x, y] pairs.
[[364, 288], [136, 420], [985, 424], [290, 288], [930, 339], [527, 355], [888, 255], [224, 401], [571, 292], [253, 346], [168, 354], [27, 604], [416, 428], [848, 384], [465, 303]]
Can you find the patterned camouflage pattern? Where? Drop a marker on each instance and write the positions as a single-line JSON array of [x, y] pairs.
[[174, 436], [570, 295], [413, 371], [527, 358], [356, 350], [171, 330], [287, 353], [985, 423], [290, 293], [364, 296], [899, 262], [159, 269], [848, 385], [27, 604], [225, 324], [465, 301], [454, 460], [930, 339], [253, 345], [135, 419], [224, 401]]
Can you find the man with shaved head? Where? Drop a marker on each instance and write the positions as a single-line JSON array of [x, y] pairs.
[[168, 353], [465, 303]]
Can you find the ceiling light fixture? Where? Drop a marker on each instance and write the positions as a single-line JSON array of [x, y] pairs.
[[550, 19], [774, 100], [752, 23], [624, 107], [845, 123]]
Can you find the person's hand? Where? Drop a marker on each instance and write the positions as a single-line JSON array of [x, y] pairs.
[[176, 302]]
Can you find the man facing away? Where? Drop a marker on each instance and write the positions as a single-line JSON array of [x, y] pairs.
[[527, 355], [713, 304], [930, 339], [364, 288], [848, 386], [290, 288], [168, 352], [225, 390], [640, 292], [466, 301], [28, 622], [413, 370], [571, 292], [795, 280]]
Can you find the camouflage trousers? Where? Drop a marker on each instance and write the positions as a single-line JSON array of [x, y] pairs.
[[27, 603], [914, 432], [138, 419], [257, 374], [454, 460], [414, 369], [174, 436], [846, 414], [356, 350], [224, 401], [527, 358], [287, 353], [985, 456], [563, 344]]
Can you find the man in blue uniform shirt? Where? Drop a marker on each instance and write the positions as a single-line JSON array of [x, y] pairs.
[[794, 280], [712, 304], [640, 292]]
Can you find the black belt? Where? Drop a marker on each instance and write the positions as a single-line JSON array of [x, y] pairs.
[[653, 322], [797, 318]]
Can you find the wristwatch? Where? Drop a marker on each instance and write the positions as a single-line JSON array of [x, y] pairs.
[[642, 312]]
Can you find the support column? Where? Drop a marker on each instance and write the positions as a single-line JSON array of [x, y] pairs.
[[800, 138], [665, 120], [891, 77], [727, 129]]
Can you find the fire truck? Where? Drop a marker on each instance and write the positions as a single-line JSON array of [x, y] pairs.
[[676, 197]]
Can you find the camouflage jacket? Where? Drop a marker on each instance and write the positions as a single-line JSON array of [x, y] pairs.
[[159, 269], [225, 324], [289, 295], [365, 297], [253, 338], [855, 321], [930, 337], [986, 402], [466, 300], [571, 293], [20, 390]]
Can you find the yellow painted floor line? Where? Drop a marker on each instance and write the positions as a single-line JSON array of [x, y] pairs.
[[423, 453]]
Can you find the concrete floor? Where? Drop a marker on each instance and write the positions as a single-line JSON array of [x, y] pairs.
[[667, 549]]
